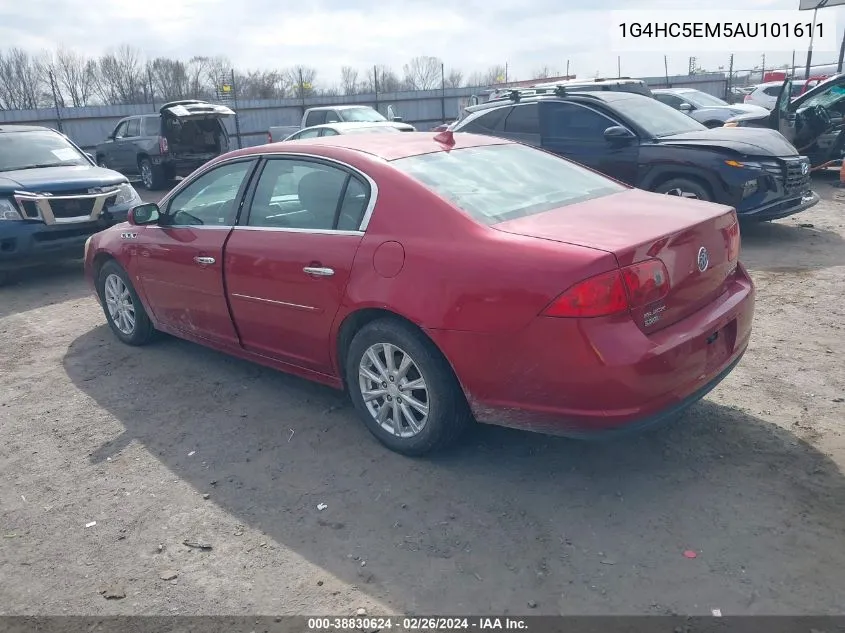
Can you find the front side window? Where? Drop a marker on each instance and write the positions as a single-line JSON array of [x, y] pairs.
[[655, 118], [574, 121], [211, 199], [669, 100], [362, 115], [315, 117], [309, 133], [120, 130], [133, 128], [308, 195], [496, 183], [490, 122], [523, 119]]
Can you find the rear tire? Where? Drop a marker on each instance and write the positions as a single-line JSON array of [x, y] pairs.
[[684, 187], [421, 406], [152, 176], [123, 309]]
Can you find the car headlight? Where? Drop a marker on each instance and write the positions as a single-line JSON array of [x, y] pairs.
[[9, 212], [126, 194]]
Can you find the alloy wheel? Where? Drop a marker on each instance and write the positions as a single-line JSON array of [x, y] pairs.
[[394, 390], [119, 304]]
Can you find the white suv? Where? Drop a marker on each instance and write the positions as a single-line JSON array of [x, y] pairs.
[[766, 94]]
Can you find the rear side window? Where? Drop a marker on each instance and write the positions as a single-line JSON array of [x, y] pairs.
[[772, 91], [316, 117], [152, 126], [495, 183], [133, 128]]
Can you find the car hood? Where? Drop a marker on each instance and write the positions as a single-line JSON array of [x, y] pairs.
[[58, 179], [757, 115], [756, 141]]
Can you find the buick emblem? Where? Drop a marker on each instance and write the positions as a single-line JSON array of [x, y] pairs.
[[805, 169], [703, 259]]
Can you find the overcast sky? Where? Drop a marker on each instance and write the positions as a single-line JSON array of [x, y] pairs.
[[466, 34]]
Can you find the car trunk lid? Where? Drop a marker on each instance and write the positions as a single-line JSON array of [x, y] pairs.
[[697, 242]]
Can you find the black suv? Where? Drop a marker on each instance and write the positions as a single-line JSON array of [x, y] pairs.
[[159, 147], [647, 144]]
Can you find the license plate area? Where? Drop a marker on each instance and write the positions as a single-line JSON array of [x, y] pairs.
[[719, 345]]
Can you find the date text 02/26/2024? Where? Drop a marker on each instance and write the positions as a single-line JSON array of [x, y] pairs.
[[369, 623]]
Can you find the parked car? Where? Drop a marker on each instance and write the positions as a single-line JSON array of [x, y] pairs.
[[52, 198], [531, 292], [812, 122], [766, 95], [334, 129], [647, 144], [174, 142], [708, 110], [340, 114]]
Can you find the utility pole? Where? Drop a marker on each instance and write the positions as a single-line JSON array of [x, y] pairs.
[[567, 66], [375, 84], [763, 68], [443, 91], [235, 101], [618, 65], [666, 70], [810, 50], [729, 91], [150, 82]]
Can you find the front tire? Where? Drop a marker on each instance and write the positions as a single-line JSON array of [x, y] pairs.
[[685, 188], [123, 309], [403, 389]]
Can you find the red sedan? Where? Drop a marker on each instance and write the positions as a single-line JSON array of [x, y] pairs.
[[440, 279]]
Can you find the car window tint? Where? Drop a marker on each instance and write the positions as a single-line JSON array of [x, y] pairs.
[[670, 100], [210, 200], [315, 118], [133, 127], [487, 123], [569, 120], [354, 204], [152, 126], [302, 194], [523, 119]]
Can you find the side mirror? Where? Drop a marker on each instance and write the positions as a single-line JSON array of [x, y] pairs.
[[685, 107], [143, 214], [618, 135]]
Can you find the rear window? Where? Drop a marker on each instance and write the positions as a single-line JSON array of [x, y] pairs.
[[496, 183]]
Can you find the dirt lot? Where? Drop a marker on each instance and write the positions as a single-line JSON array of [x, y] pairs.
[[751, 479]]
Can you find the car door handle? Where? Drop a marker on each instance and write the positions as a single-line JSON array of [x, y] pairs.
[[204, 260], [318, 272]]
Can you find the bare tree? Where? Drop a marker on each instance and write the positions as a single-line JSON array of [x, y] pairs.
[[349, 80], [331, 91], [381, 80], [423, 73], [490, 77], [74, 75], [263, 84], [453, 79], [22, 80], [120, 76], [302, 78], [170, 78], [544, 72]]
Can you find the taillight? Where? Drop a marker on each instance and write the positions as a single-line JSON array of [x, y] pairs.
[[162, 144], [613, 292], [732, 238]]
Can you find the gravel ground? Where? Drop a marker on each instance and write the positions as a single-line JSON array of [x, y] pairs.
[[175, 443]]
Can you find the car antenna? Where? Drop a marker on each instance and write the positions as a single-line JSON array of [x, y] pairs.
[[446, 137]]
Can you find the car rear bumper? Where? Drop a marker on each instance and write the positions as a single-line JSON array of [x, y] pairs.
[[591, 377], [25, 244]]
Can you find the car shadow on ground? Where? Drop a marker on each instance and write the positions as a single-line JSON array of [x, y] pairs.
[[788, 247], [515, 517], [37, 287]]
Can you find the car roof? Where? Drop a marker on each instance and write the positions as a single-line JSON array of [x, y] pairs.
[[341, 107], [384, 146], [608, 96], [345, 125], [24, 128]]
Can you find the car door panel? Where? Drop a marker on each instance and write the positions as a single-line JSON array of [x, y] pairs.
[[181, 263], [111, 150], [288, 261], [576, 132]]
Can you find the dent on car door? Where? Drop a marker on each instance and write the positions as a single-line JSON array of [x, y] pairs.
[[288, 261], [576, 132], [181, 263]]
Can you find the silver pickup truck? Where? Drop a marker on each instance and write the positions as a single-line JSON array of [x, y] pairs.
[[338, 114]]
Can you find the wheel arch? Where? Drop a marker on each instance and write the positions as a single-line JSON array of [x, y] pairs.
[[658, 177], [353, 322]]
